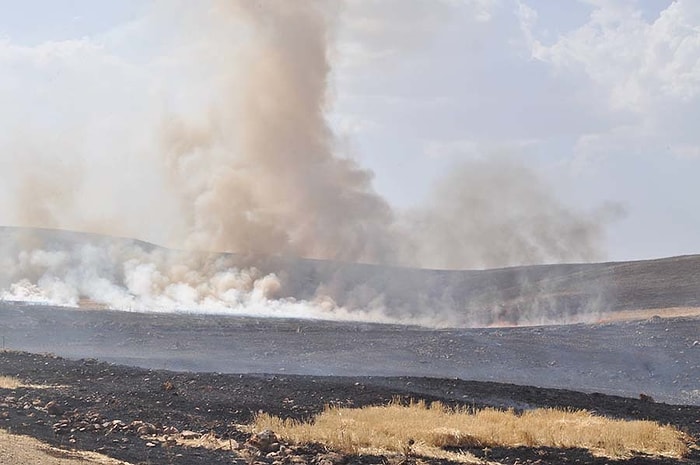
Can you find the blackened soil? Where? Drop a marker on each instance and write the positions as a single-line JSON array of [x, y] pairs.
[[90, 397]]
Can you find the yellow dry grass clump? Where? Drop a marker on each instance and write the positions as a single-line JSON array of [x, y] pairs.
[[9, 382], [433, 427]]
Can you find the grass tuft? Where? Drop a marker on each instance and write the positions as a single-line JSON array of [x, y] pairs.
[[435, 427], [9, 382]]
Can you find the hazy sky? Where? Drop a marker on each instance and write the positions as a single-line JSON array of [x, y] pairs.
[[602, 97]]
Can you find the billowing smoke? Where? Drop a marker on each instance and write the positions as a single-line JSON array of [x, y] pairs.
[[257, 171], [496, 212], [67, 269], [271, 183]]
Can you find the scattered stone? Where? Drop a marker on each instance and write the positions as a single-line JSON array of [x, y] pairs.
[[332, 458], [146, 429], [189, 435], [151, 444], [265, 441], [53, 409], [170, 430]]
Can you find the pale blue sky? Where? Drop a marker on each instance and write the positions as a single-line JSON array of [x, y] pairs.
[[602, 97]]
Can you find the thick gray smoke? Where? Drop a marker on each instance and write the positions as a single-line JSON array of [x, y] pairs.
[[257, 171]]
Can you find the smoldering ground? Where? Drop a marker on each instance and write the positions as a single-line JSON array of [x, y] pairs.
[[236, 155]]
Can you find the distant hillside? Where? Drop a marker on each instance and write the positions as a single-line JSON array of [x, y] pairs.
[[518, 295]]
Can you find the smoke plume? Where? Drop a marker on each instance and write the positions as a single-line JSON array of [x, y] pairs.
[[256, 171], [497, 212], [272, 184]]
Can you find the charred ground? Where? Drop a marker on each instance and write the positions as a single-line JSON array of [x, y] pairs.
[[91, 395]]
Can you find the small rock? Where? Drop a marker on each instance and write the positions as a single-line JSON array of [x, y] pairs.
[[146, 429], [189, 435], [332, 458], [170, 430], [265, 441], [151, 444], [53, 409]]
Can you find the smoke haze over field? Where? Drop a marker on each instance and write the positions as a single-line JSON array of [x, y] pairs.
[[245, 161]]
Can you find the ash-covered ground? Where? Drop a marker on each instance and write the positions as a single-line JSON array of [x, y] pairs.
[[659, 357], [121, 411]]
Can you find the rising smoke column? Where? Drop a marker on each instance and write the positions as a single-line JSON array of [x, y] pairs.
[[257, 172], [271, 183]]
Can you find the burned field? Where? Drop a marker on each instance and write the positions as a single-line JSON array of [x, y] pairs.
[[121, 411], [659, 357], [153, 387], [146, 387]]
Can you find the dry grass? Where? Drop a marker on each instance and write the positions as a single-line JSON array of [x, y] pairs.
[[9, 382], [389, 428], [22, 450]]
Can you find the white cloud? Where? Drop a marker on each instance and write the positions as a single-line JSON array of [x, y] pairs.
[[641, 72], [686, 151], [635, 61], [471, 149], [448, 149], [374, 31]]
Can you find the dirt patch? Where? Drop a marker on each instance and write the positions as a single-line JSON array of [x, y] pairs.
[[24, 450]]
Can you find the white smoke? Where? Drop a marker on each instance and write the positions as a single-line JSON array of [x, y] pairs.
[[247, 164], [122, 275]]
